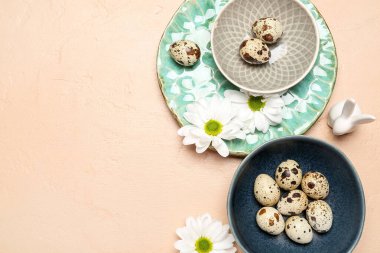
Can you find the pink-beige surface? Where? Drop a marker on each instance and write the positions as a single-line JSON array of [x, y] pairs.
[[90, 160]]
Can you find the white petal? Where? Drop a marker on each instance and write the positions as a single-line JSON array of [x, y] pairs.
[[266, 127], [220, 146], [189, 140], [202, 109], [204, 221], [192, 107], [238, 122], [223, 112], [210, 88], [222, 250], [185, 234], [202, 93], [275, 118], [261, 122], [204, 140], [225, 244], [213, 230], [215, 102], [272, 110], [244, 113], [183, 246], [247, 93], [199, 108], [185, 130], [192, 225], [203, 103], [226, 135], [201, 149], [229, 130], [199, 133], [205, 217], [232, 131], [275, 102], [222, 234], [252, 126], [236, 96], [240, 135], [193, 118]]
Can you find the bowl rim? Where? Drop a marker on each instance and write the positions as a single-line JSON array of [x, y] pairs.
[[218, 64], [239, 170]]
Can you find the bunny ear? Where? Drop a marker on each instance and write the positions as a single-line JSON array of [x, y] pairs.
[[363, 119], [349, 107]]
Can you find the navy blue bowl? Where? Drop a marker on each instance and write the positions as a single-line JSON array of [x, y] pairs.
[[346, 197]]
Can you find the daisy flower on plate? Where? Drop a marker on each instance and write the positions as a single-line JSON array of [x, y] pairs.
[[212, 120], [257, 111], [204, 235]]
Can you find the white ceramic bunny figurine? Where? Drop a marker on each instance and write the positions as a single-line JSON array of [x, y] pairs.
[[345, 116]]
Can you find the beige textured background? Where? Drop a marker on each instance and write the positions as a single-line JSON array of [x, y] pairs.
[[89, 156]]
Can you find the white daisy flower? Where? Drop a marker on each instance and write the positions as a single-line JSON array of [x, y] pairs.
[[212, 120], [204, 235], [257, 111]]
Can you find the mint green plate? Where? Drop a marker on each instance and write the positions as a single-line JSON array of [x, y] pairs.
[[180, 86]]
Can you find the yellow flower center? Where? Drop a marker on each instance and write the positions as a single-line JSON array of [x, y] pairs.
[[203, 245], [256, 103], [213, 127]]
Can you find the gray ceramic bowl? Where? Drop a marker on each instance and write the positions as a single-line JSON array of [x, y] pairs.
[[234, 24], [346, 197]]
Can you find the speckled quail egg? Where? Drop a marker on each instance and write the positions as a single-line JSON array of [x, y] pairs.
[[269, 30], [185, 52], [266, 190], [288, 175], [320, 216], [270, 220], [298, 230], [254, 51], [292, 203], [315, 185]]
